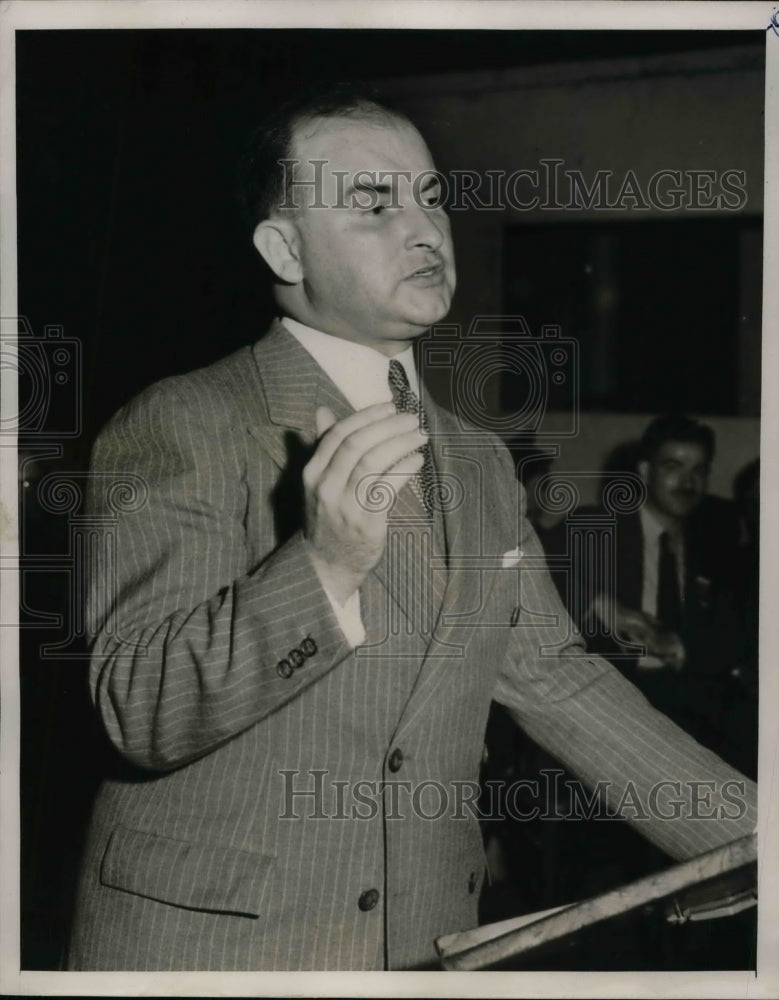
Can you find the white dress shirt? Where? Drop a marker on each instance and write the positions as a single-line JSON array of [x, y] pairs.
[[361, 374]]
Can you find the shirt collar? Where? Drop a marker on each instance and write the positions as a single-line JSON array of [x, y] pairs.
[[653, 529], [359, 371]]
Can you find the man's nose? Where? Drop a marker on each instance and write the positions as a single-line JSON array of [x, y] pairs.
[[427, 227], [691, 482]]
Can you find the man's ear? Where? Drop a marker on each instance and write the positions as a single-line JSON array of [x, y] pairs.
[[643, 469], [278, 244]]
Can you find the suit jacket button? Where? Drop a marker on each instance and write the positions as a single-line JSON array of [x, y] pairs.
[[284, 668], [395, 761], [472, 880], [308, 646], [296, 658], [368, 899]]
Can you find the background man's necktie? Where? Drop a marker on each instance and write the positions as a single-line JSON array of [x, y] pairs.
[[407, 401], [669, 598]]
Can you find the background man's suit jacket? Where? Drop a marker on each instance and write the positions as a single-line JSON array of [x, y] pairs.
[[190, 863]]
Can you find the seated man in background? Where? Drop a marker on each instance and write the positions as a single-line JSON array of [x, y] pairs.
[[664, 612]]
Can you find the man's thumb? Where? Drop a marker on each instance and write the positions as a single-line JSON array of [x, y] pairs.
[[325, 418]]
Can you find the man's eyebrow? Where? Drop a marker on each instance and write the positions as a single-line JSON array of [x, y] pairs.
[[366, 186], [383, 188]]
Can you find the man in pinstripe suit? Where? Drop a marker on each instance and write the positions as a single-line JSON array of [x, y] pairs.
[[298, 669]]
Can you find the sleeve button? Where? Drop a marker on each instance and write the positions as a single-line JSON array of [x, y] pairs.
[[284, 668], [296, 658], [368, 899], [308, 646]]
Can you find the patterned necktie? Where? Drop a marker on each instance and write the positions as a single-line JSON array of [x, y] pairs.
[[407, 401], [669, 598]]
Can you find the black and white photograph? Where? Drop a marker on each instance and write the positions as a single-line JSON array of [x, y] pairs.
[[386, 555]]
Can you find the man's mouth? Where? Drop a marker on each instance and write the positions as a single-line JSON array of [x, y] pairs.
[[427, 271]]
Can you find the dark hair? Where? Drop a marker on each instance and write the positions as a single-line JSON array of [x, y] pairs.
[[675, 427], [260, 173]]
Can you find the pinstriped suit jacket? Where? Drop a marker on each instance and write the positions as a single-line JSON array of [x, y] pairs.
[[205, 856]]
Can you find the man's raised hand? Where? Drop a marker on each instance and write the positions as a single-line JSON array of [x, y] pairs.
[[351, 462]]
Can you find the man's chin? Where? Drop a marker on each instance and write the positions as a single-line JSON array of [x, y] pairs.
[[429, 313], [684, 509]]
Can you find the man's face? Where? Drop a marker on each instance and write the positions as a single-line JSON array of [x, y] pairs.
[[377, 263], [676, 478]]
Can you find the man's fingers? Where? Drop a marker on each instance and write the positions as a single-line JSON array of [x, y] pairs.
[[334, 433], [377, 493], [397, 434], [364, 456], [395, 460], [325, 418], [399, 431]]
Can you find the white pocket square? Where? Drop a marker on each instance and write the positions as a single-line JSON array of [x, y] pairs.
[[511, 558]]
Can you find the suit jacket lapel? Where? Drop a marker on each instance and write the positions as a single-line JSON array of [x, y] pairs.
[[473, 544], [471, 529], [293, 385]]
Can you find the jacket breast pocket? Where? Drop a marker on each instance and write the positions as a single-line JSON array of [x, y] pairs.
[[195, 876]]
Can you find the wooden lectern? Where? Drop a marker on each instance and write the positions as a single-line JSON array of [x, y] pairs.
[[716, 884]]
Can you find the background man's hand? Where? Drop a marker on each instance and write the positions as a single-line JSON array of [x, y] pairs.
[[346, 531], [660, 642], [638, 627], [667, 647]]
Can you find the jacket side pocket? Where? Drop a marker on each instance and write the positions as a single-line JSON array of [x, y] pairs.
[[195, 876]]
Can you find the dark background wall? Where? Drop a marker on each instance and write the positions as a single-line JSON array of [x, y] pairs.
[[664, 303], [130, 240]]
